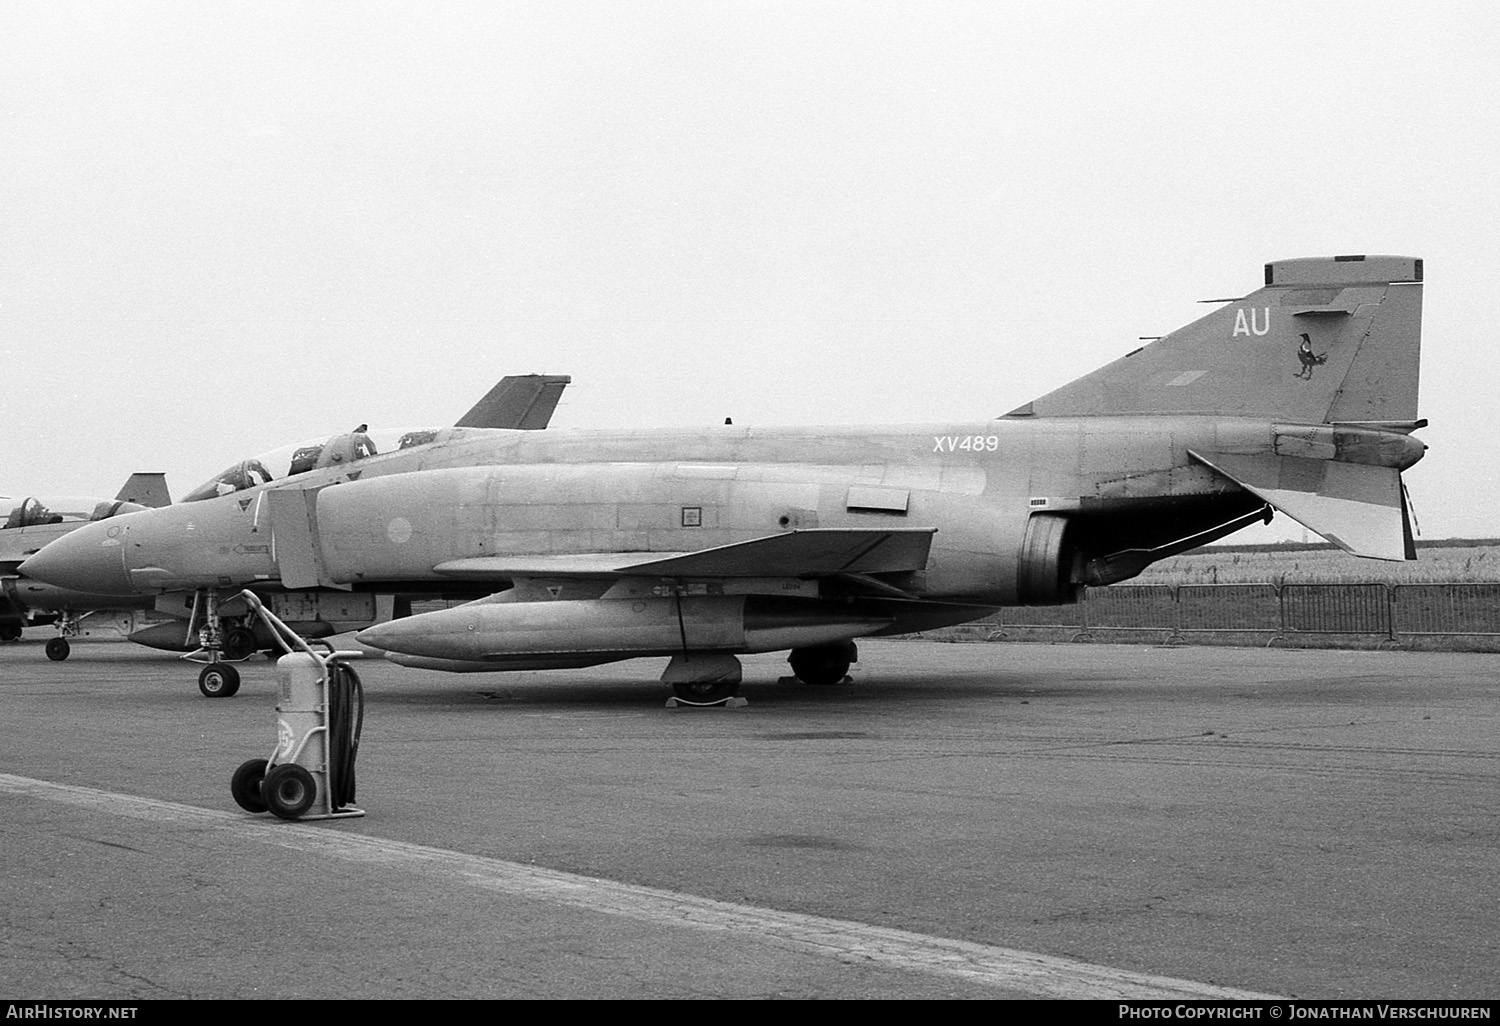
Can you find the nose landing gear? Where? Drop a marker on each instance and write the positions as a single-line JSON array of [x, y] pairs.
[[218, 644], [59, 648]]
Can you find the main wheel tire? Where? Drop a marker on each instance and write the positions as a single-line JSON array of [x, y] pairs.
[[218, 680], [239, 643], [10, 630], [246, 785], [823, 664], [705, 692], [288, 790], [58, 649]]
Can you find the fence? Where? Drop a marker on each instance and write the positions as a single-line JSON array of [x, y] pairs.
[[1389, 612]]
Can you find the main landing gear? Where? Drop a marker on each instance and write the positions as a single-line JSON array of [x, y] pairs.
[[824, 664], [713, 678]]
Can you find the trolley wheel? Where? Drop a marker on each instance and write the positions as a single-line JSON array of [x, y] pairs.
[[705, 692], [219, 680], [58, 649], [239, 643], [245, 786], [288, 790]]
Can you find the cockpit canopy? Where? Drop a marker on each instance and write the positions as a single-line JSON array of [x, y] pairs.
[[34, 511], [299, 458]]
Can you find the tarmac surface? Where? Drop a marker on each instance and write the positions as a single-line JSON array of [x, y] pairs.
[[984, 820]]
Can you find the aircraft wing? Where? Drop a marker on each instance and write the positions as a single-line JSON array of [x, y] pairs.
[[1358, 507], [816, 552], [524, 402]]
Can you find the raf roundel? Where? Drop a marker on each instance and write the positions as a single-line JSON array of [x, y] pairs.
[[399, 530]]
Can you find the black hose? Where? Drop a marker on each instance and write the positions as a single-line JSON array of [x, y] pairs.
[[346, 718]]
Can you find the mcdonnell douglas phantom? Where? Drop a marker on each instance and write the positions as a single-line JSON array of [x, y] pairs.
[[586, 547]]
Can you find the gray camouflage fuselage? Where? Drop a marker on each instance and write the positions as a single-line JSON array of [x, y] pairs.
[[1125, 482]]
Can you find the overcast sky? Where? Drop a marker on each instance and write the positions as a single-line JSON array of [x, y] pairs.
[[230, 226]]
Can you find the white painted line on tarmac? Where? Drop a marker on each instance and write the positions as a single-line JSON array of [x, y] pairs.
[[854, 943]]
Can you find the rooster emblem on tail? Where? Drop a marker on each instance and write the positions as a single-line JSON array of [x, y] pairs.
[[1309, 358]]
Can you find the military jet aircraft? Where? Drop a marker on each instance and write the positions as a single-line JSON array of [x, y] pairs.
[[594, 546], [29, 523]]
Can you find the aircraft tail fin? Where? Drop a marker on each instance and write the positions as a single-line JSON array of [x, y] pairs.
[[524, 402], [1326, 340], [146, 490]]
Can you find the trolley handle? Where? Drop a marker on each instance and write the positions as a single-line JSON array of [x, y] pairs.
[[287, 638]]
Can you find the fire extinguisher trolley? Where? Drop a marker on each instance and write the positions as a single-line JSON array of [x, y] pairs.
[[310, 774]]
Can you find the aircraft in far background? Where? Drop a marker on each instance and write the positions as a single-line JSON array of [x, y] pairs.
[[27, 524]]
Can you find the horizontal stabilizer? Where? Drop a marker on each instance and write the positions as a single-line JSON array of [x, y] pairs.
[[819, 552], [1357, 507]]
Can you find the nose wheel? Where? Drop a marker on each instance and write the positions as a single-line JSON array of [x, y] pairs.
[[218, 680]]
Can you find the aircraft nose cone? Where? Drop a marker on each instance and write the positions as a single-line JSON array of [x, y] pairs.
[[90, 559]]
